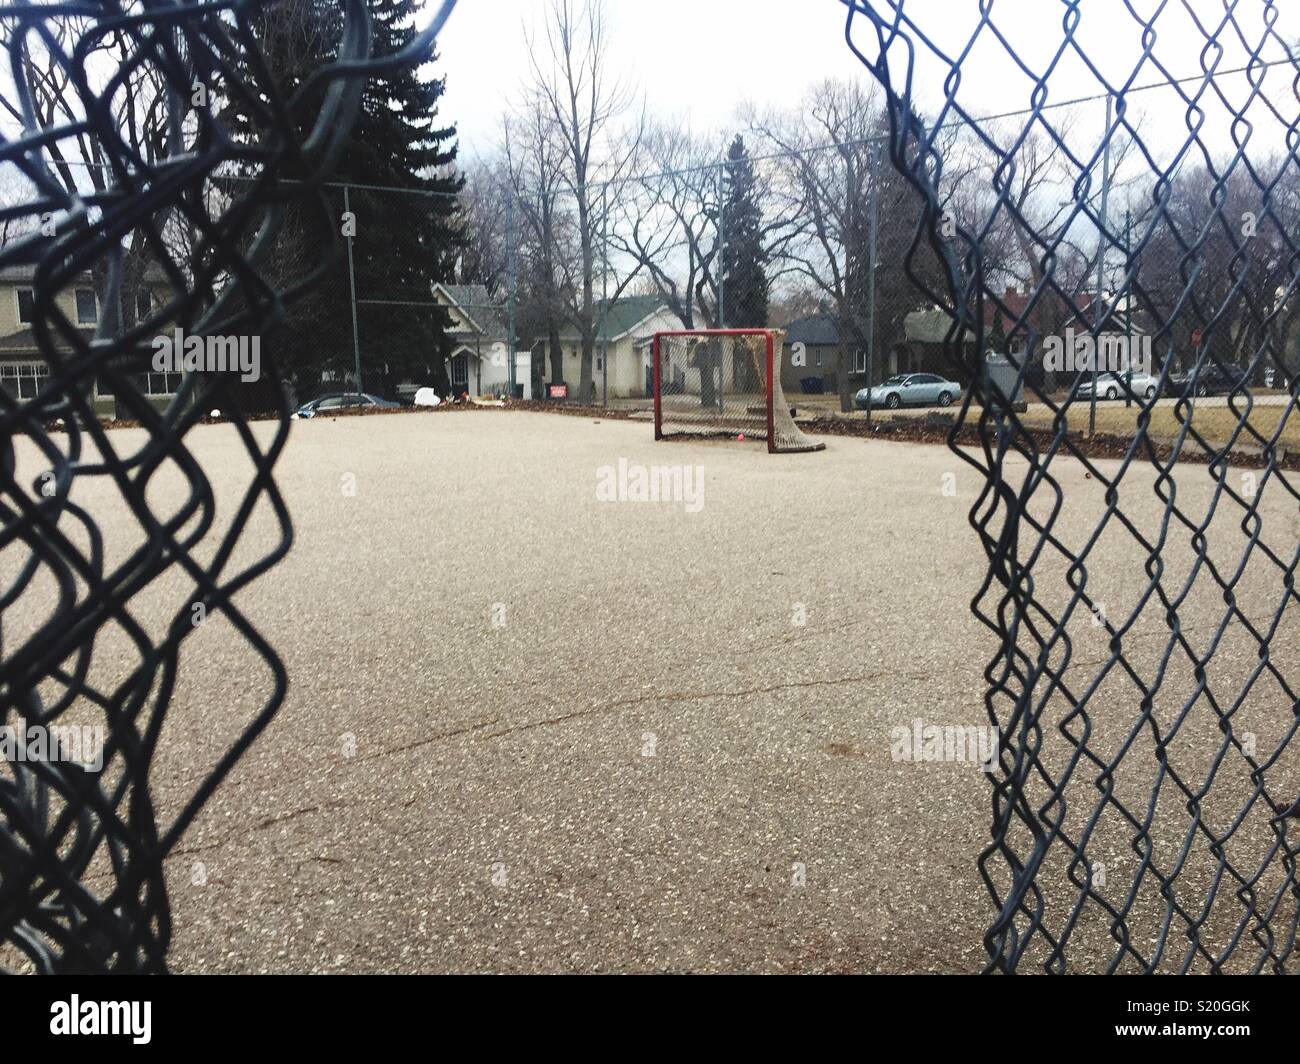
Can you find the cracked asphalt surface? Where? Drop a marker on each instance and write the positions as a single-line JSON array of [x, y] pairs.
[[528, 730]]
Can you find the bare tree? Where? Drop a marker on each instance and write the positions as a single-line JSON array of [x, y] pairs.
[[534, 167], [77, 159], [832, 163], [482, 218], [572, 89], [667, 221]]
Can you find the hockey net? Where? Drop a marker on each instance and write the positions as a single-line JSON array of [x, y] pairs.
[[724, 382]]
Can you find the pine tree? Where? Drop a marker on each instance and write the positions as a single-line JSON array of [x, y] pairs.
[[744, 260], [404, 243]]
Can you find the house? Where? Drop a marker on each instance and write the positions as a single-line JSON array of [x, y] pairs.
[[23, 369], [820, 335], [815, 340], [927, 346], [477, 364], [625, 328]]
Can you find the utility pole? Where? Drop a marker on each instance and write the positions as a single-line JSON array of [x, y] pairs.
[[510, 291], [722, 270], [1101, 261], [873, 230], [352, 286], [604, 296], [1128, 301]]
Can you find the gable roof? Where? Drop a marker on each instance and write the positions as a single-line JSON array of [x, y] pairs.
[[816, 330], [26, 272], [931, 327], [24, 341], [474, 301], [620, 316]]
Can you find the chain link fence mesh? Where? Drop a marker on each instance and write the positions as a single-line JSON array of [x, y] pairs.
[[128, 174], [1147, 788]]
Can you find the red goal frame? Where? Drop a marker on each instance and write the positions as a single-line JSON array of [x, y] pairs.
[[669, 334]]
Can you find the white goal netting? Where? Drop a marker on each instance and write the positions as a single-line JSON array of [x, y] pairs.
[[725, 383]]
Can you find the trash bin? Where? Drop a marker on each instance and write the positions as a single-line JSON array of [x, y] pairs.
[[1002, 389], [812, 386], [519, 391]]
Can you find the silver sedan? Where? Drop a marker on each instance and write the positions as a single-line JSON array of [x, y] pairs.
[[1111, 386], [910, 389]]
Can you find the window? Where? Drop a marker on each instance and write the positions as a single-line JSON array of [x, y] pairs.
[[862, 362], [23, 380], [86, 312], [600, 361], [819, 359], [162, 383], [143, 305], [26, 306]]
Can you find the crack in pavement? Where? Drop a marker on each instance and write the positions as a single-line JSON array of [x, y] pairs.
[[688, 697]]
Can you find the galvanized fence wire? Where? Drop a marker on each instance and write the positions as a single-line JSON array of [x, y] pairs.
[[171, 196], [1146, 796]]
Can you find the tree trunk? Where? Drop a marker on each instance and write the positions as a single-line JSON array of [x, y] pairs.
[[846, 364], [557, 351], [587, 384]]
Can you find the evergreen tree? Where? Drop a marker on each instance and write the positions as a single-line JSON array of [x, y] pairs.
[[744, 260], [404, 242]]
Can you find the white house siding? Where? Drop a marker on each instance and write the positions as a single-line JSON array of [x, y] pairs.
[[629, 358]]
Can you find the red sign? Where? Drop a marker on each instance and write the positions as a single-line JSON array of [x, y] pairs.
[[557, 391]]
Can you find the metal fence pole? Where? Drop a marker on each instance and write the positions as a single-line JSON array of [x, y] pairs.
[[604, 295], [1101, 262], [352, 287], [722, 271], [722, 248], [873, 232], [511, 283]]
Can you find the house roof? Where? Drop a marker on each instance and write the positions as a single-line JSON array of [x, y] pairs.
[[20, 272], [24, 341], [474, 301], [930, 327], [620, 316], [816, 330], [26, 272]]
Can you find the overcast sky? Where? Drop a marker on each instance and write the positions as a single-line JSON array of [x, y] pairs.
[[699, 60]]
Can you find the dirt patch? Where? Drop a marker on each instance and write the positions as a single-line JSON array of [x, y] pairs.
[[943, 429]]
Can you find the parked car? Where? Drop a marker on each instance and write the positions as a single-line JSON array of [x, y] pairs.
[[1208, 380], [1111, 386], [335, 401], [910, 389]]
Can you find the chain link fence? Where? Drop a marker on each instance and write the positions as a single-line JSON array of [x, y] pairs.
[[1144, 686], [136, 207]]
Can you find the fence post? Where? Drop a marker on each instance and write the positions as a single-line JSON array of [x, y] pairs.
[[873, 231], [1102, 248], [511, 282], [722, 270], [352, 288], [604, 295], [722, 249]]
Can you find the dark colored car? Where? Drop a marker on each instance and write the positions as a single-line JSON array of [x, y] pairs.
[[335, 401], [1209, 379]]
